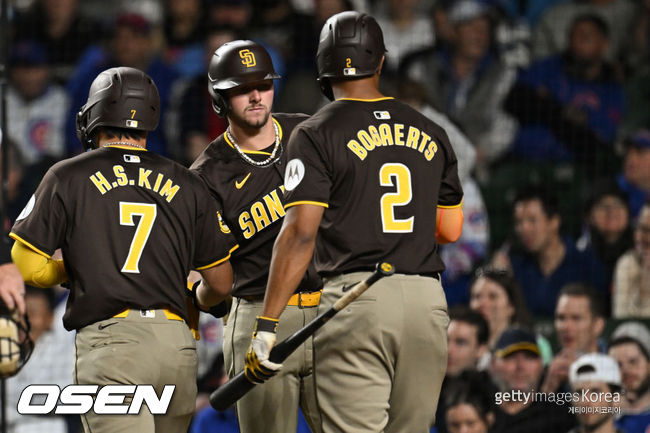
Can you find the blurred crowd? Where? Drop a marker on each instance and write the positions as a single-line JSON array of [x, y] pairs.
[[545, 103]]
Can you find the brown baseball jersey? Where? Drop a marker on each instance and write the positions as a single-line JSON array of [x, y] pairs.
[[380, 169], [250, 200], [130, 223]]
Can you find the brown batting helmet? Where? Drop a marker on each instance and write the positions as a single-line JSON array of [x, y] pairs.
[[119, 97], [351, 46], [234, 64]]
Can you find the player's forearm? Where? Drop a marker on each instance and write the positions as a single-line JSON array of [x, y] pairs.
[[36, 269], [291, 256], [449, 224], [215, 286]]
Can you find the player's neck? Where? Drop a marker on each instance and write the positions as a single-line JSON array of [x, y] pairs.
[[248, 138], [364, 88], [140, 143]]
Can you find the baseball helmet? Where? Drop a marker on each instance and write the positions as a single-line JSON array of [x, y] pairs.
[[119, 97], [351, 46], [236, 63], [16, 346]]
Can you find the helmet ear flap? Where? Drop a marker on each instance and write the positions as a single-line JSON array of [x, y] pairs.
[[326, 88], [82, 132], [219, 102]]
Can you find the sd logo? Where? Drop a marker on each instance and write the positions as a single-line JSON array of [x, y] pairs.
[[248, 58]]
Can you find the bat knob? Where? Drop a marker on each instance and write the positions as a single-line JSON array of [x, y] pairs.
[[385, 269]]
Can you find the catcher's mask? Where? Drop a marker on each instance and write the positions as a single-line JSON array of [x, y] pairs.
[[15, 343]]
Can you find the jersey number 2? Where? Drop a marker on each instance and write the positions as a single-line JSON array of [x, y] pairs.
[[399, 176], [147, 213]]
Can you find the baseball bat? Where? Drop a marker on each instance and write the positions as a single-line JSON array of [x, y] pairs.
[[239, 385]]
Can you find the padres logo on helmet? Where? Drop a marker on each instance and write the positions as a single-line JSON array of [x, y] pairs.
[[248, 58], [234, 64]]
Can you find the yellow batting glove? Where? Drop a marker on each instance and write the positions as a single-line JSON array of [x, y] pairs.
[[258, 367]]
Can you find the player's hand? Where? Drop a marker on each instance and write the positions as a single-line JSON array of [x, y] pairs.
[[12, 288], [258, 366]]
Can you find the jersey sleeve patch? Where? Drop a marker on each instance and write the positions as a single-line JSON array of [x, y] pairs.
[[294, 174]]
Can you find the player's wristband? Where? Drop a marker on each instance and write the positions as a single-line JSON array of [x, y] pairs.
[[218, 311], [266, 324]]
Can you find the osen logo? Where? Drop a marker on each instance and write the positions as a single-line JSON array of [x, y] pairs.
[[294, 173]]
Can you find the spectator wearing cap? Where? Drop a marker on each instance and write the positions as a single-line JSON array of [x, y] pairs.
[[607, 229], [631, 289], [634, 178], [516, 368], [467, 80], [629, 345], [133, 43], [579, 322], [569, 105], [36, 107], [596, 379]]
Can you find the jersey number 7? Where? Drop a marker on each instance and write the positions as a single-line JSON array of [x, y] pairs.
[[147, 213]]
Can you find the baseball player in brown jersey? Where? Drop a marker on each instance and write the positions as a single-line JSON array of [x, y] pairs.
[[243, 169], [373, 180], [130, 225]]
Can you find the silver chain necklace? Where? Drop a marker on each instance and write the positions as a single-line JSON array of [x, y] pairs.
[[125, 143], [268, 161]]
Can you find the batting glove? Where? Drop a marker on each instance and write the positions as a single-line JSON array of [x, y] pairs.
[[258, 367]]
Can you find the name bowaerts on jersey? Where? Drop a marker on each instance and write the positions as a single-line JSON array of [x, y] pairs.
[[146, 179], [392, 135]]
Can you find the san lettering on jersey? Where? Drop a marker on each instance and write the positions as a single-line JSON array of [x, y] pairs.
[[396, 134], [262, 213], [156, 182]]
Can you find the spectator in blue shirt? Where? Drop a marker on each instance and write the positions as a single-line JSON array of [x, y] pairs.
[[542, 260], [634, 178], [569, 106], [132, 44]]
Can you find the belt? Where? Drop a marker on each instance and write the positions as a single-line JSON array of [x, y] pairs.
[[300, 299], [168, 313]]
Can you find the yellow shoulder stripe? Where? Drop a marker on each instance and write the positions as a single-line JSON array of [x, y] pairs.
[[385, 98], [317, 203], [200, 268], [138, 149], [15, 237]]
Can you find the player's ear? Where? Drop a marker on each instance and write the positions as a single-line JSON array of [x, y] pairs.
[[381, 65]]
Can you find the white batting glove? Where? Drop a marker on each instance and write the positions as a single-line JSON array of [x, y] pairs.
[[258, 367]]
